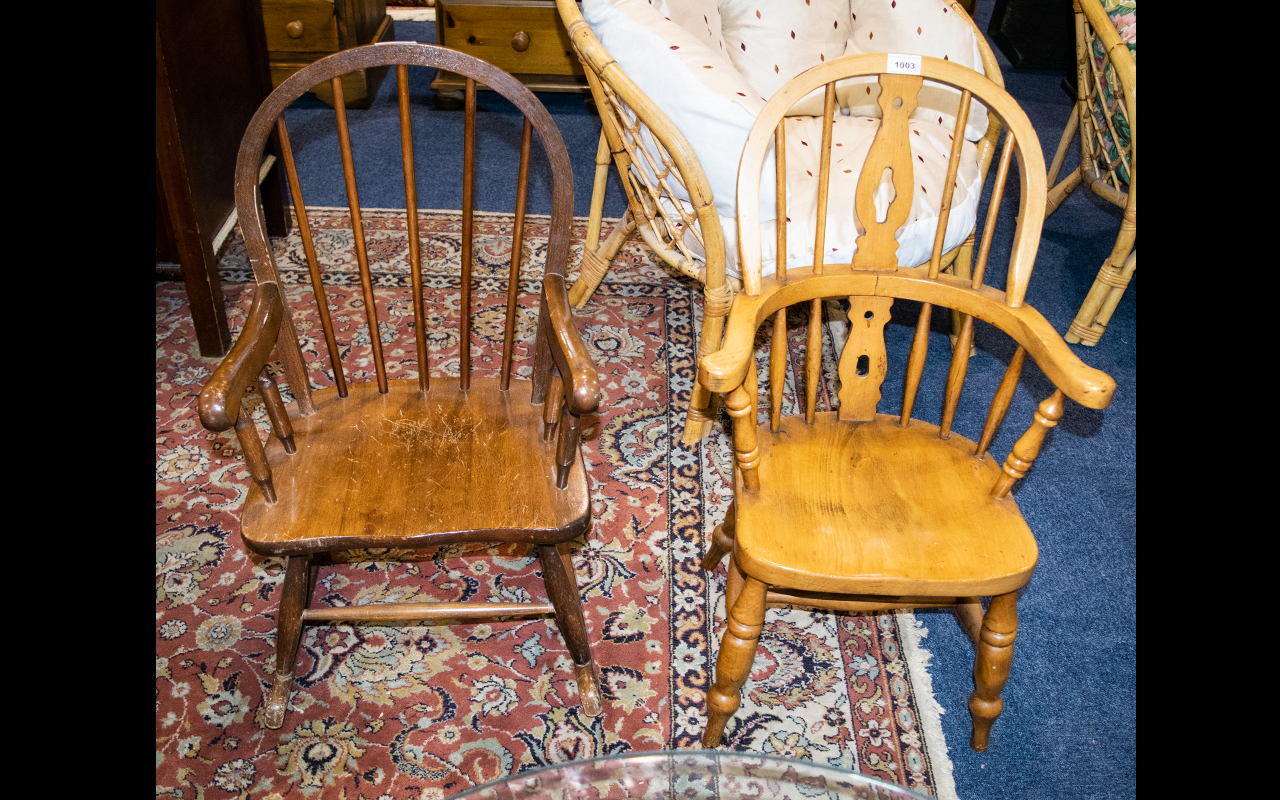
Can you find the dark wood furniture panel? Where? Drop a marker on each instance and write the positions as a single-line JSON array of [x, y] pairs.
[[211, 74], [1034, 34]]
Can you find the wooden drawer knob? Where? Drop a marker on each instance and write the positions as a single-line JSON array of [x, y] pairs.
[[294, 29], [520, 42]]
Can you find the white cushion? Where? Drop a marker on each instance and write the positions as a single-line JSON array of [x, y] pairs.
[[696, 87], [772, 41], [698, 17], [920, 27], [714, 107]]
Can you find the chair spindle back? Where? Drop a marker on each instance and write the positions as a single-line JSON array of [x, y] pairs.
[[270, 118]]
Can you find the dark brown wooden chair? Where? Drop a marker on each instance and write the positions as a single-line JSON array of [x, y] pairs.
[[410, 463], [855, 510]]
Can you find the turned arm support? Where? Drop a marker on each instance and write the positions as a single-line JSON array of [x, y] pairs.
[[577, 376], [220, 399], [1028, 445], [577, 370]]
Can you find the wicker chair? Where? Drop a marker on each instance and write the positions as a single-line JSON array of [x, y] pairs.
[[1106, 117], [660, 218]]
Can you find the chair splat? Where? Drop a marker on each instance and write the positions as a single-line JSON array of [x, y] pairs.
[[891, 149], [864, 363]]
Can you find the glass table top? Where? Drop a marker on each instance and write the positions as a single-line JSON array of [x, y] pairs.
[[689, 775]]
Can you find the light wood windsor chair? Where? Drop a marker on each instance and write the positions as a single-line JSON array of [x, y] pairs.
[[859, 511], [410, 463], [1106, 117], [654, 209]]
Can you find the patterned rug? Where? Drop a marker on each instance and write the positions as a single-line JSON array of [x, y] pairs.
[[427, 712]]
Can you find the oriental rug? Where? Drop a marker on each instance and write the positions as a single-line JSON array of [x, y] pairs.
[[427, 712]]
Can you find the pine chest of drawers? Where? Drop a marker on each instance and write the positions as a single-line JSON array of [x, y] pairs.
[[302, 31], [523, 37]]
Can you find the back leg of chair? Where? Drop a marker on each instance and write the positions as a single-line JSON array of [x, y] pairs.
[[299, 579], [991, 668], [562, 588], [737, 652], [721, 541]]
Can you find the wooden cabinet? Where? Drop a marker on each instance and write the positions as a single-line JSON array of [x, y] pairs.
[[302, 31], [211, 75], [523, 37]]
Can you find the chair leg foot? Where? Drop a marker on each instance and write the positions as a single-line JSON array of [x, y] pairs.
[[562, 588], [991, 667], [588, 690], [299, 578], [737, 652], [277, 701]]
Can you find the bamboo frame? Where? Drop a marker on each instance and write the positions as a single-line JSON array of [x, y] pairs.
[[1097, 170], [661, 218]]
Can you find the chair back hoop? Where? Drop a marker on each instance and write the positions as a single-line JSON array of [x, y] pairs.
[[616, 94], [269, 120], [890, 150], [388, 54]]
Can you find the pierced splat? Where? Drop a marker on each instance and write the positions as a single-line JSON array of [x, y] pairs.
[[891, 149], [863, 364]]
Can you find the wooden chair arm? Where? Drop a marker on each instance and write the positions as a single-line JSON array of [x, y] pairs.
[[570, 354], [221, 396], [725, 369]]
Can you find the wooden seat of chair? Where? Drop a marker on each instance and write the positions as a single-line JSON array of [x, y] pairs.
[[873, 508], [398, 469]]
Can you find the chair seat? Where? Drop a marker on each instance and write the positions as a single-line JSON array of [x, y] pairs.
[[398, 470], [871, 508]]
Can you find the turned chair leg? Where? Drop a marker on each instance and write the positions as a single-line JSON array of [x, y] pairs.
[[733, 584], [299, 578], [562, 588], [991, 667], [721, 541], [737, 652]]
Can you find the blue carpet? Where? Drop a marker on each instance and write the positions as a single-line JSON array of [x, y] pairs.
[[1069, 723]]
